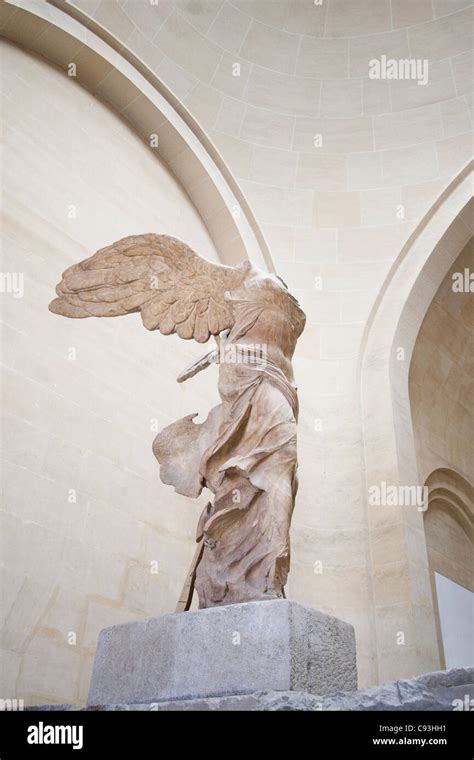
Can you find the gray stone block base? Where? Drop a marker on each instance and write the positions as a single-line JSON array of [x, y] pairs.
[[277, 646]]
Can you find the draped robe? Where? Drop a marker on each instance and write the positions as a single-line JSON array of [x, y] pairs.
[[245, 452]]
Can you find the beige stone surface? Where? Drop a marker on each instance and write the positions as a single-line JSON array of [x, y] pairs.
[[406, 13], [229, 28], [269, 47], [80, 425], [347, 136], [365, 17], [323, 58], [389, 428], [341, 99], [441, 379]]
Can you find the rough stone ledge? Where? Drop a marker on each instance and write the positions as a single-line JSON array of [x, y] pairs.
[[429, 692]]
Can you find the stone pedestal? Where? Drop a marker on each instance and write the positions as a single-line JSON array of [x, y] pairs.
[[237, 649]]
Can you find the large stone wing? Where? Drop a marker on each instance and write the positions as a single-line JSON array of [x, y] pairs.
[[174, 289]]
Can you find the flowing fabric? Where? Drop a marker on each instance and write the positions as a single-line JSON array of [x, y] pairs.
[[245, 453]]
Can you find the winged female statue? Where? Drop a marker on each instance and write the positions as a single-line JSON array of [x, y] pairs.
[[245, 451]]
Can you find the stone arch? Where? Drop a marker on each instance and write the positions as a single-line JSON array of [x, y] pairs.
[[118, 77], [449, 532], [456, 493], [397, 554]]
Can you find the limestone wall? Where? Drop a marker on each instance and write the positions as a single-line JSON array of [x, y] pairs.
[[441, 378], [441, 389], [84, 514]]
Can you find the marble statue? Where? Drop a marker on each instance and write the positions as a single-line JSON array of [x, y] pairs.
[[245, 451]]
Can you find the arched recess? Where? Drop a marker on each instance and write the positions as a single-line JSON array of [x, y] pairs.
[[397, 557], [113, 74], [449, 532]]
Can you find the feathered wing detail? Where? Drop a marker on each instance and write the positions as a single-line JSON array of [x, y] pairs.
[[174, 289]]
